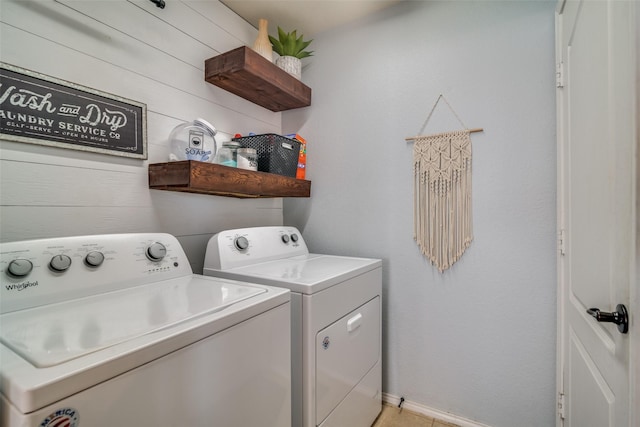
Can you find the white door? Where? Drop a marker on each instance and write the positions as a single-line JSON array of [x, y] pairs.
[[597, 191]]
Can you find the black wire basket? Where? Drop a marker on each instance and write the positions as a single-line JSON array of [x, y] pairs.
[[276, 154]]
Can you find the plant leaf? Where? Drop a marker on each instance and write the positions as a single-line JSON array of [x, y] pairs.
[[290, 45], [277, 46], [302, 45], [282, 35]]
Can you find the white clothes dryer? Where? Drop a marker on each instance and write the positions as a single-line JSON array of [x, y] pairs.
[[116, 330], [335, 320]]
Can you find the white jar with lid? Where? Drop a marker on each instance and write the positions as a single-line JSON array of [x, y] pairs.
[[247, 159], [193, 141]]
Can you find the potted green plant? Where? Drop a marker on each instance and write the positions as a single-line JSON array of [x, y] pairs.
[[291, 49]]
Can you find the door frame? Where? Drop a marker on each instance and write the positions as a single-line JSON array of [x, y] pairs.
[[635, 290], [634, 303]]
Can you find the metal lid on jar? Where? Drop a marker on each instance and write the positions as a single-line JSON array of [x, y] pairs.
[[231, 144]]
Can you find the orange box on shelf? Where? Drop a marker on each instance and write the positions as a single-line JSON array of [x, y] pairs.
[[302, 157]]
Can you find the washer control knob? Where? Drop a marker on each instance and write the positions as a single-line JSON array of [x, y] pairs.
[[94, 259], [294, 237], [285, 238], [60, 263], [19, 267], [156, 251], [241, 243]]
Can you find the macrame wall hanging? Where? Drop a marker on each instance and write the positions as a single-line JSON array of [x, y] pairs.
[[442, 222]]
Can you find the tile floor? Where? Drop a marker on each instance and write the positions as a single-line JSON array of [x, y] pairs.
[[392, 416]]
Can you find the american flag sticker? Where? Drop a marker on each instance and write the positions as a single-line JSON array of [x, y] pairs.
[[63, 417]]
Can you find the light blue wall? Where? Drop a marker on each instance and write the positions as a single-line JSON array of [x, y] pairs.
[[478, 340]]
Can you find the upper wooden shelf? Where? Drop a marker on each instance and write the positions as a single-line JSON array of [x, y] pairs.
[[247, 74], [209, 178]]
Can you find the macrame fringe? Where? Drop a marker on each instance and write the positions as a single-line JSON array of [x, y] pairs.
[[443, 226]]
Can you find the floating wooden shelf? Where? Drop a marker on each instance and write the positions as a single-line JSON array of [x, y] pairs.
[[247, 74], [209, 178]]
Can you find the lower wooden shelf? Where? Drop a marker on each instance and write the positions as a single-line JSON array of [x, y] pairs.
[[208, 178]]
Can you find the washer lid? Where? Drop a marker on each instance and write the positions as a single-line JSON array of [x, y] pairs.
[[305, 273], [52, 334]]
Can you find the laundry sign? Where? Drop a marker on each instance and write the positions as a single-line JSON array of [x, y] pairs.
[[39, 109]]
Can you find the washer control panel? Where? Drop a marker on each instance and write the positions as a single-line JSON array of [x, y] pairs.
[[36, 272], [244, 246]]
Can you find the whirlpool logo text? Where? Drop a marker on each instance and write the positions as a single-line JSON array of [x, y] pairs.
[[21, 286]]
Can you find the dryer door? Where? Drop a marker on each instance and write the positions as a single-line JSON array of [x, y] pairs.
[[345, 351]]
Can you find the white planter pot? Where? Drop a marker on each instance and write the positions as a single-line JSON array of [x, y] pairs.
[[291, 65]]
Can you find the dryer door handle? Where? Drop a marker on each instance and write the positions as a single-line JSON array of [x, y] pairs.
[[354, 322]]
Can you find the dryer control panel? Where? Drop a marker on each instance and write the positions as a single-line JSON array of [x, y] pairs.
[[45, 271], [245, 246]]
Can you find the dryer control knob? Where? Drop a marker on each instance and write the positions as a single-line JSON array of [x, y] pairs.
[[294, 237], [60, 263], [156, 251], [19, 267], [241, 243], [94, 259], [285, 238]]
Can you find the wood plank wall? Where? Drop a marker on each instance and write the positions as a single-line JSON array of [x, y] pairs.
[[135, 50]]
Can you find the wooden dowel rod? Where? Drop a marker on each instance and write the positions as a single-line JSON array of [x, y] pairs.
[[416, 137]]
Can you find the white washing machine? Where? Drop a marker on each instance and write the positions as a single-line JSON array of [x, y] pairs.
[[115, 330], [336, 320]]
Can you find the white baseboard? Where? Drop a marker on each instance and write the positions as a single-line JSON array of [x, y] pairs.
[[430, 412]]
